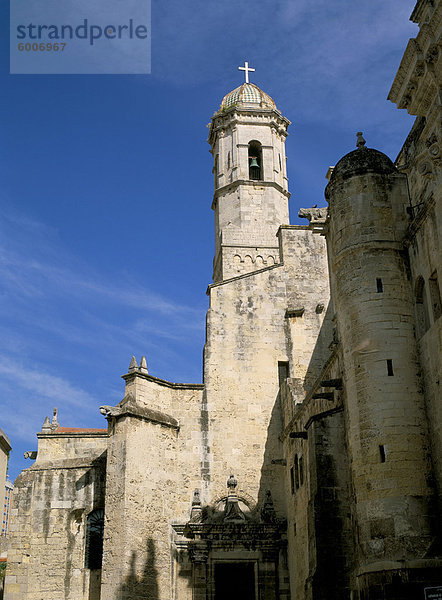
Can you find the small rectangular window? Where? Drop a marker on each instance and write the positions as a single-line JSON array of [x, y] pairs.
[[379, 286], [283, 372], [382, 453], [390, 367]]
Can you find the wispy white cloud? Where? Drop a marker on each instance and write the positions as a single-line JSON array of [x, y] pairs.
[[67, 332], [43, 385]]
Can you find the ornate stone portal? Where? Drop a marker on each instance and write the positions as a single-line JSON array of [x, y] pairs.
[[235, 550]]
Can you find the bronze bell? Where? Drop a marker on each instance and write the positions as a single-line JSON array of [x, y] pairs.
[[254, 162]]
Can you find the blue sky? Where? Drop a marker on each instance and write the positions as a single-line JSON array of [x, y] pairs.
[[106, 231]]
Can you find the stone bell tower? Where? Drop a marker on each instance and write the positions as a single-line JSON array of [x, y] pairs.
[[247, 138]]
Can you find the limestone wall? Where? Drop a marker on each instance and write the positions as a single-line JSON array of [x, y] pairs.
[[5, 447], [248, 334], [416, 88], [51, 502], [387, 428], [155, 461]]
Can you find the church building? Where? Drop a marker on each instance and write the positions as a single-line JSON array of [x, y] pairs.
[[308, 464]]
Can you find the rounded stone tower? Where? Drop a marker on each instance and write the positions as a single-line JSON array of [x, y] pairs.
[[247, 139], [385, 411]]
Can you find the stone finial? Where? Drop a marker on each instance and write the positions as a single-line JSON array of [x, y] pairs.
[[133, 365], [143, 365], [32, 454], [232, 483], [232, 511], [268, 514], [361, 142], [196, 510], [47, 427], [196, 500], [54, 421]]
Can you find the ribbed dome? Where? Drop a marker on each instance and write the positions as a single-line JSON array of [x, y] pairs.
[[360, 161], [247, 93]]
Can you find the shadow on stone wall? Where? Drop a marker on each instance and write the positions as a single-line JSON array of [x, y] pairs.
[[322, 350], [144, 586], [272, 475]]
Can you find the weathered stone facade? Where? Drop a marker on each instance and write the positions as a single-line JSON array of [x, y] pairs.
[[308, 465]]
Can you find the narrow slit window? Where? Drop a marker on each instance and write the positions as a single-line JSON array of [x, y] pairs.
[[296, 472], [435, 295], [301, 471], [422, 319], [379, 286], [215, 170], [382, 453], [283, 372], [390, 367], [292, 480]]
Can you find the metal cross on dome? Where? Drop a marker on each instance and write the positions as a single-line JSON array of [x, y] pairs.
[[246, 68]]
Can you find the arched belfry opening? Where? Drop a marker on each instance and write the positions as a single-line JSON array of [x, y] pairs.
[[255, 161]]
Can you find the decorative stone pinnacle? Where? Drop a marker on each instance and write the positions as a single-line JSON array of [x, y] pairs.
[[232, 483], [47, 427], [196, 510], [361, 142], [143, 365], [232, 511], [133, 365], [54, 421]]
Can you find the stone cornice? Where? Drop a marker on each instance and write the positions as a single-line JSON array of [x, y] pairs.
[[243, 276], [66, 463], [247, 183], [238, 116], [5, 442], [75, 434], [176, 386], [131, 409], [418, 78], [417, 10]]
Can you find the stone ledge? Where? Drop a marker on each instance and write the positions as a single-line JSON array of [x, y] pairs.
[[243, 276], [74, 434], [390, 565], [176, 386], [247, 182], [66, 463], [130, 409]]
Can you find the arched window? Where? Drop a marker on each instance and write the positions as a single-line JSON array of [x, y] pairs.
[[255, 161], [422, 322], [94, 539]]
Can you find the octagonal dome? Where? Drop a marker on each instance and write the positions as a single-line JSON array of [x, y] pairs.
[[247, 94]]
